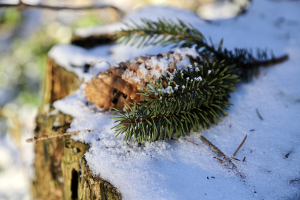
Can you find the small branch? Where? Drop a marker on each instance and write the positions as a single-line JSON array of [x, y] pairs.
[[195, 143], [53, 136], [40, 6], [240, 146]]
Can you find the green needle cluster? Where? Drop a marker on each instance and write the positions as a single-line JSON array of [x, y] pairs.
[[192, 100]]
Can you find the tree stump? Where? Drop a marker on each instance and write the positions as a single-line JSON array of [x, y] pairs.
[[60, 169]]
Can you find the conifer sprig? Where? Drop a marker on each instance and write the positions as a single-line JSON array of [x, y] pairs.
[[185, 101], [167, 32], [191, 100]]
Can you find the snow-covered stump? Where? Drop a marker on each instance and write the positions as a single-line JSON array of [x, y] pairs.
[[179, 169], [60, 170]]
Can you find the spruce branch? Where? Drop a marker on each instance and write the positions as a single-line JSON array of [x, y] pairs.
[[167, 32], [185, 101], [191, 101]]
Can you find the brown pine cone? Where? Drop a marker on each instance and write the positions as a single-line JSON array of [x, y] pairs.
[[122, 83]]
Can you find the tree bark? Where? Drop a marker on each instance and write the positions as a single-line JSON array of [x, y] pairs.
[[61, 171]]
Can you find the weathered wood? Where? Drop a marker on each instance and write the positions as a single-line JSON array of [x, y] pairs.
[[60, 169], [58, 83]]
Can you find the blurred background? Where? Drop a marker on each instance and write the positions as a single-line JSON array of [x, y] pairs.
[[26, 35]]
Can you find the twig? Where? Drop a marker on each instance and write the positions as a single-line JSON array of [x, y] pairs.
[[40, 6], [195, 143], [240, 146], [53, 136], [259, 114]]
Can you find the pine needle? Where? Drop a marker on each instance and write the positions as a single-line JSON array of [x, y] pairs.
[[260, 117], [195, 143], [235, 159], [240, 146], [219, 159]]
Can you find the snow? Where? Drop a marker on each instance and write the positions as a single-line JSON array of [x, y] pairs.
[[187, 51], [16, 160], [178, 169], [98, 30], [222, 9], [74, 58], [11, 169]]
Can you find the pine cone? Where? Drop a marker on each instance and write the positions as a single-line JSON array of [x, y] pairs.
[[122, 83]]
